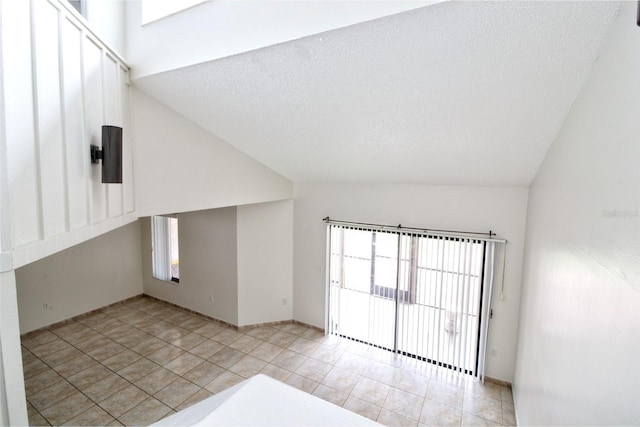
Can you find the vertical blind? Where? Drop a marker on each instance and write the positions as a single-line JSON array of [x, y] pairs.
[[420, 294], [161, 247]]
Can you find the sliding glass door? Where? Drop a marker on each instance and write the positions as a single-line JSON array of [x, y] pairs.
[[414, 294]]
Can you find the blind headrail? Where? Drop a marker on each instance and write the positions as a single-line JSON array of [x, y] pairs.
[[485, 237]]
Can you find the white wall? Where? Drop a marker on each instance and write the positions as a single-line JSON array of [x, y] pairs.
[[265, 257], [184, 168], [82, 278], [208, 264], [215, 29], [579, 340], [501, 210], [60, 93], [235, 263], [107, 19]]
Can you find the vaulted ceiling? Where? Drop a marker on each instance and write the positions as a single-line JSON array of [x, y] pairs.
[[457, 93]]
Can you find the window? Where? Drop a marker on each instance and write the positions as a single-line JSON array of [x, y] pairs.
[[153, 10], [420, 295], [80, 6], [166, 259]]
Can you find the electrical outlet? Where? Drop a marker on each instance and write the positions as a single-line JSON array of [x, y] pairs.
[[493, 352], [284, 301], [211, 298]]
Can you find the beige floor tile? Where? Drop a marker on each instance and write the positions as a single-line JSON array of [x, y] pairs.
[[248, 366], [76, 365], [341, 379], [69, 329], [123, 400], [58, 358], [166, 354], [178, 316], [410, 382], [93, 319], [89, 376], [226, 336], [327, 354], [93, 343], [404, 403], [82, 336], [94, 416], [223, 382], [184, 363], [210, 329], [189, 341], [149, 346], [172, 334], [156, 380], [354, 363], [329, 394], [120, 331], [109, 326], [370, 390], [33, 367], [194, 323], [106, 351], [294, 328], [362, 407], [474, 421], [177, 392], [134, 338], [282, 339], [147, 412], [51, 395], [206, 349], [508, 418], [204, 373], [438, 414], [67, 408], [36, 419], [156, 328], [245, 343], [304, 346], [138, 370], [302, 383], [446, 394], [312, 334], [276, 372], [482, 406], [506, 394], [197, 397], [341, 366], [266, 351], [121, 360], [35, 339], [106, 387], [40, 381], [289, 360], [392, 419], [226, 357], [262, 333], [487, 389]]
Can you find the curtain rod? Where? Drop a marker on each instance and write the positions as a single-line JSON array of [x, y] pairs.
[[399, 227]]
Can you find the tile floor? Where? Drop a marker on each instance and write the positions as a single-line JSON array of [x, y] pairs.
[[140, 361]]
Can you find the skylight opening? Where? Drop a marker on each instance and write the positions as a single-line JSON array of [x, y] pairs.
[[153, 10]]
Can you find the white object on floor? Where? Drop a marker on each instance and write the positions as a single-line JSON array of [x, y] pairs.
[[264, 401]]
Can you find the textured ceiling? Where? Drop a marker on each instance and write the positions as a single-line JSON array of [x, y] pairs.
[[461, 93]]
